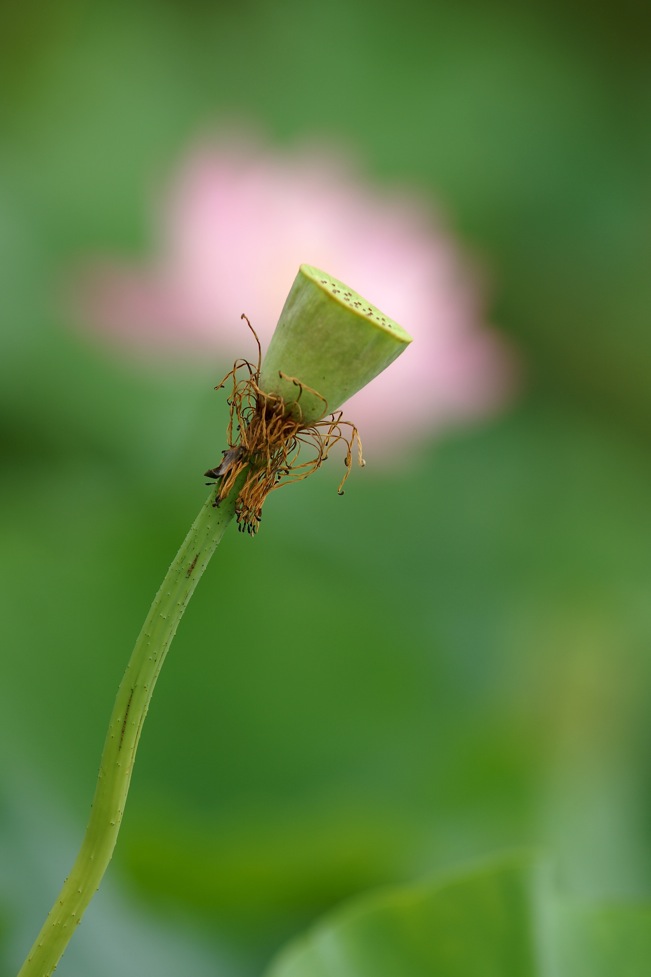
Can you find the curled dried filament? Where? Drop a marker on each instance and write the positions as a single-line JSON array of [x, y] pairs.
[[267, 438]]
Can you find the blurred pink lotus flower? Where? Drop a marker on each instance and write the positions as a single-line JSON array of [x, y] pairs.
[[234, 226]]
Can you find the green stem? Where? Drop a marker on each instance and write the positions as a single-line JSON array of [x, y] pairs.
[[129, 711]]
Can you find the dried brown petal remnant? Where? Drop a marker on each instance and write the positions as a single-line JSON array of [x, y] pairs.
[[265, 438]]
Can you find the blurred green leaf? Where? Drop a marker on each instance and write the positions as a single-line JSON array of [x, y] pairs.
[[500, 920], [475, 925], [604, 940]]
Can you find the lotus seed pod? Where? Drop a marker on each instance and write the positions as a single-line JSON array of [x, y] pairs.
[[329, 340]]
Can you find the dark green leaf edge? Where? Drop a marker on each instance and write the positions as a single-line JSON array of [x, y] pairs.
[[504, 917]]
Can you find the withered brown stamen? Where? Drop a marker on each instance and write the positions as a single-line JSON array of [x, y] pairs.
[[265, 436]]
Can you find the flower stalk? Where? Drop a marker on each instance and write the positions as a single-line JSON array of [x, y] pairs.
[[125, 726], [329, 342]]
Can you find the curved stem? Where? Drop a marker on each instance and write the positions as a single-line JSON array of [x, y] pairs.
[[127, 718]]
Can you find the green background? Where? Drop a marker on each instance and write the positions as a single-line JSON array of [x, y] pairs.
[[452, 660]]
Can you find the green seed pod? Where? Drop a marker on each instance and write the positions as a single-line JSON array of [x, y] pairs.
[[329, 343]]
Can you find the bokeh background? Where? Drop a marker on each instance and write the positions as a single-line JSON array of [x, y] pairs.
[[454, 659]]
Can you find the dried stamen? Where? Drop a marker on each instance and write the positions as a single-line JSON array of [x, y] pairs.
[[265, 435]]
